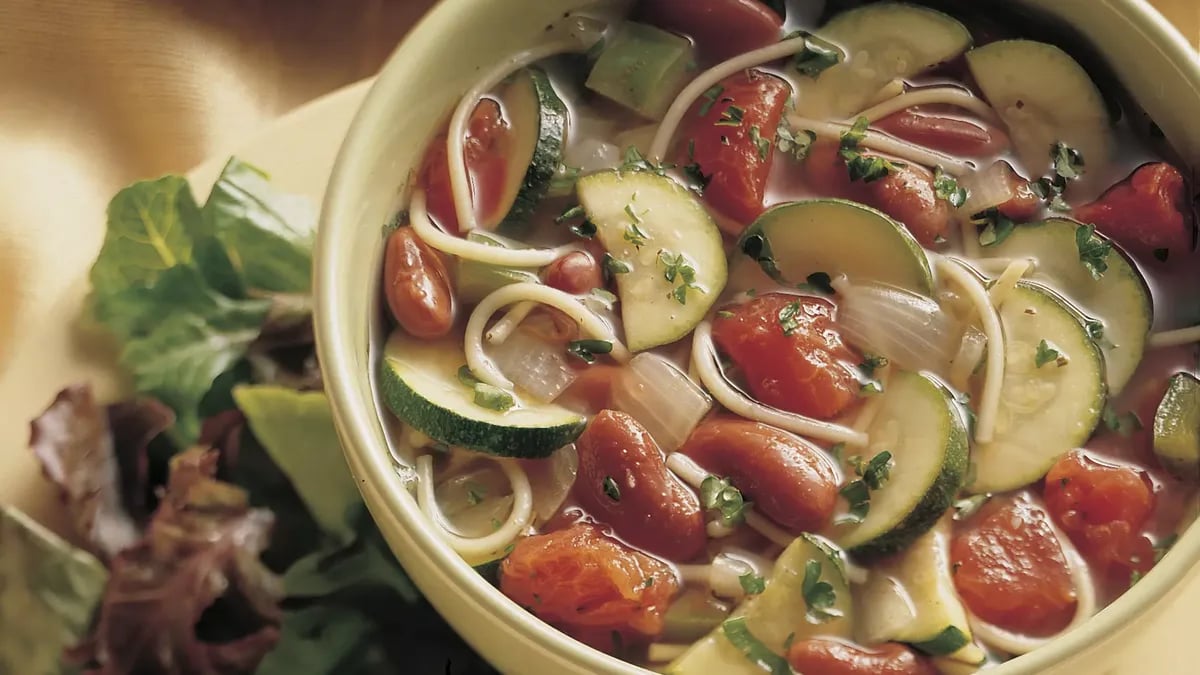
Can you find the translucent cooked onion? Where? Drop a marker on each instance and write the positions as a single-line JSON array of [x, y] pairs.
[[538, 368], [551, 479], [911, 330], [970, 354], [663, 398], [722, 576], [592, 154], [988, 188]]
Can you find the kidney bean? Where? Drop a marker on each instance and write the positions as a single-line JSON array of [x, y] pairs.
[[623, 481], [576, 272], [417, 286], [951, 135], [828, 656], [788, 480]]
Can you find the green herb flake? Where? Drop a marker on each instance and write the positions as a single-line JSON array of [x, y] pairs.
[[564, 179], [761, 143], [710, 99], [676, 268], [739, 635], [493, 398], [817, 56], [752, 583], [819, 596], [868, 168], [1067, 161], [836, 451], [731, 117], [475, 493], [724, 314], [603, 297], [758, 248], [946, 187], [795, 144], [872, 363], [634, 234], [996, 227], [871, 388], [788, 318], [969, 506], [649, 581], [1048, 353], [571, 213], [950, 640], [1093, 250], [610, 489], [465, 377], [821, 281], [586, 350], [585, 229], [720, 496], [614, 266], [1124, 424]]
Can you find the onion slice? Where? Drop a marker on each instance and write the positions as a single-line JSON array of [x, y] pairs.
[[664, 399], [537, 367], [911, 330], [478, 549], [989, 401]]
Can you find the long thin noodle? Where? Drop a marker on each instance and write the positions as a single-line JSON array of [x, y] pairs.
[[1006, 283], [460, 181], [955, 96], [472, 250], [485, 368], [509, 322], [989, 400], [476, 547], [710, 78], [887, 144], [704, 359], [1174, 338]]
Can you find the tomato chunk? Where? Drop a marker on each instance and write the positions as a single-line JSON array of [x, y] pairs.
[[1145, 212], [730, 134], [488, 142], [906, 194], [1024, 205], [721, 29], [807, 369], [1010, 569], [587, 583], [828, 656], [951, 135], [1103, 507]]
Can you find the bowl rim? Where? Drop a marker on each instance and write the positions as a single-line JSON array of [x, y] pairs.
[[385, 492]]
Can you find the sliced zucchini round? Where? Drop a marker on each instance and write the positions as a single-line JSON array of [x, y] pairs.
[[919, 424], [419, 383], [835, 236], [1177, 428], [778, 614], [1044, 96], [668, 257], [1120, 299], [879, 43], [539, 120], [1047, 410]]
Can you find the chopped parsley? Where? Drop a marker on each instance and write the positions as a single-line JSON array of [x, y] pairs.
[[564, 179], [649, 581], [759, 249], [872, 363], [614, 266], [816, 57], [1067, 165], [720, 496], [493, 398], [739, 635], [946, 187], [795, 144], [731, 117], [635, 161], [1049, 353], [610, 489], [821, 282], [752, 583], [634, 234], [603, 297], [586, 350], [788, 321], [571, 213], [996, 226], [1124, 424], [710, 99], [676, 268], [475, 493], [865, 168], [1093, 251], [872, 475], [692, 171], [1067, 161], [819, 596], [465, 377], [724, 314], [872, 388], [969, 506], [761, 143]]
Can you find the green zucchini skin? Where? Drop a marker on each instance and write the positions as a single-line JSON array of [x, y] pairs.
[[548, 149]]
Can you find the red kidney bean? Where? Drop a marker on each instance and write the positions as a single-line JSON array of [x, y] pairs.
[[576, 272], [416, 286]]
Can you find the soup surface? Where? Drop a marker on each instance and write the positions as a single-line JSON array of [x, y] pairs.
[[737, 336]]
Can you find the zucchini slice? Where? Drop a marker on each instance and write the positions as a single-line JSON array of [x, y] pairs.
[[1044, 411], [835, 236], [1120, 300], [419, 383], [1177, 428], [643, 68], [777, 614], [1044, 96], [475, 280], [911, 598], [919, 423], [668, 257], [539, 120], [879, 43]]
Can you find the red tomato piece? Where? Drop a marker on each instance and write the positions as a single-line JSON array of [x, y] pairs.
[[906, 194], [1145, 212], [1024, 205], [1103, 508], [948, 134], [730, 135], [721, 29], [1010, 569], [488, 141], [588, 584], [828, 656], [808, 370]]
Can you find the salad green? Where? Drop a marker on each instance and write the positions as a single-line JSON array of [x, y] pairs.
[[219, 529]]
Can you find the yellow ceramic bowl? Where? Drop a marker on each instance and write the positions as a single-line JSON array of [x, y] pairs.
[[414, 93]]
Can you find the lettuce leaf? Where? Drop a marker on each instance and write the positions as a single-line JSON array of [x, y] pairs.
[[48, 593], [296, 429]]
